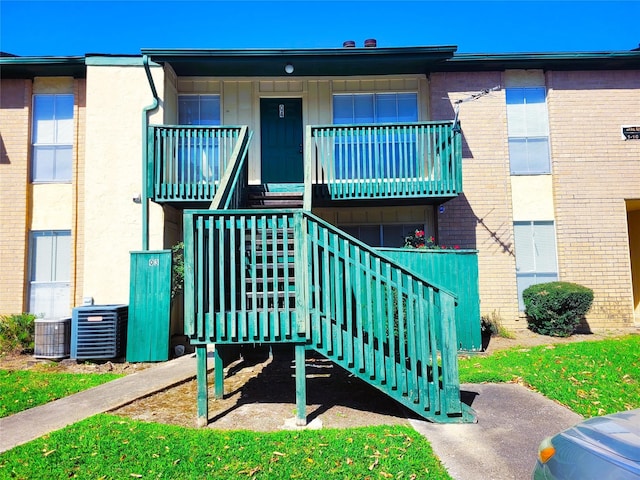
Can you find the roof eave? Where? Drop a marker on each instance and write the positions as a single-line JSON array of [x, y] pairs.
[[30, 67]]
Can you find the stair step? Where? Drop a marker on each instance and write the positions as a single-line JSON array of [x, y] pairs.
[[272, 294], [269, 205], [275, 196]]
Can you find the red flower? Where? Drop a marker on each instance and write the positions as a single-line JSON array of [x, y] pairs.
[[419, 233]]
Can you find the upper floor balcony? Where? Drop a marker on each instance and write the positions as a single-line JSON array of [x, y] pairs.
[[420, 161]]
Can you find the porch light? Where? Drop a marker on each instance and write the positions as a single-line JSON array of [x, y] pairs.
[[288, 68]]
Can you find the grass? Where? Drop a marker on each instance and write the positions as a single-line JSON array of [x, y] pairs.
[[109, 447], [23, 389], [591, 378]]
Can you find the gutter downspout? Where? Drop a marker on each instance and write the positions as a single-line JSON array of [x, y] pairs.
[[145, 127]]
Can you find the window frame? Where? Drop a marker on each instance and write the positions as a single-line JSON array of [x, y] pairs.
[[407, 229], [54, 282], [536, 275], [200, 96], [374, 96], [55, 145], [513, 138]]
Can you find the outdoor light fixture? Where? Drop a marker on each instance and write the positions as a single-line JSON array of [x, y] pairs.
[[288, 68]]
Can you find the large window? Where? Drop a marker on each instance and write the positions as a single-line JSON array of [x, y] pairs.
[[50, 273], [199, 109], [198, 160], [52, 138], [387, 235], [535, 244], [366, 153], [528, 126], [375, 108]]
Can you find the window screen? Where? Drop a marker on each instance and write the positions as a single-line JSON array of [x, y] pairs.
[[52, 138], [50, 273], [199, 109], [375, 108], [528, 127], [387, 235], [536, 262]]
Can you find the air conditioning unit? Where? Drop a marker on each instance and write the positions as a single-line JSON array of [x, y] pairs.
[[99, 332], [52, 338]]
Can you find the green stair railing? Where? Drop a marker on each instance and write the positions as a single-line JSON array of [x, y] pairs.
[[187, 163], [422, 159], [231, 191], [286, 276]]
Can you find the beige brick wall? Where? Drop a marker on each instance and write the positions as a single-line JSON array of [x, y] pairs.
[[80, 94], [15, 106], [481, 218], [594, 171]]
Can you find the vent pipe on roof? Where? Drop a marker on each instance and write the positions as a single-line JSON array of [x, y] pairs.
[[370, 43], [349, 44]]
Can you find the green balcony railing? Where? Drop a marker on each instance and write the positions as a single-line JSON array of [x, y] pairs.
[[186, 163], [386, 160]]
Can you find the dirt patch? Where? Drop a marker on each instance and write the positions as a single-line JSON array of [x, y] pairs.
[[260, 395], [259, 391]]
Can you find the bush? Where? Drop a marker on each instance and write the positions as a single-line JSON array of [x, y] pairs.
[[17, 332], [491, 325], [177, 269], [556, 308]]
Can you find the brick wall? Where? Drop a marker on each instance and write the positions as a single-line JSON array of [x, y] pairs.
[[77, 280], [481, 218], [15, 106], [594, 171]]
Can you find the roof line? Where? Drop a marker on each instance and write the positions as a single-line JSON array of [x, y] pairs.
[[268, 52]]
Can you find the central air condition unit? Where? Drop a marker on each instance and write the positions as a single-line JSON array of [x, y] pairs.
[[52, 338], [99, 332]]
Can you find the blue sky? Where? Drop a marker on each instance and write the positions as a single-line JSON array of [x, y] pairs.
[[61, 28]]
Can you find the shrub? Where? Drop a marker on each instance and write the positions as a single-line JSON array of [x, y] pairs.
[[177, 269], [17, 332], [491, 325], [556, 308]]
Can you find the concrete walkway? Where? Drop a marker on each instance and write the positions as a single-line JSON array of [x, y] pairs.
[[502, 445], [35, 422]]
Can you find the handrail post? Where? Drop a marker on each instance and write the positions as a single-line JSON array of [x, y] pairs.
[[301, 385], [307, 200], [302, 266], [449, 354]]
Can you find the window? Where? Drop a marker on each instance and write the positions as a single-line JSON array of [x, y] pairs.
[[528, 126], [375, 108], [388, 235], [52, 138], [50, 273], [199, 109], [535, 244], [363, 154], [198, 156]]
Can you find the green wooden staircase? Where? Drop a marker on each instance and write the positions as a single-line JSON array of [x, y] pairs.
[[286, 276], [255, 274]]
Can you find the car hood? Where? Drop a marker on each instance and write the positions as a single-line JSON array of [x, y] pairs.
[[618, 433]]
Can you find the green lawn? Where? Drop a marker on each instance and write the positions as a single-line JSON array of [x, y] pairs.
[[591, 378], [110, 447], [23, 389]]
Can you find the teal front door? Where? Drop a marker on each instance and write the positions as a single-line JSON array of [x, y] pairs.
[[281, 140]]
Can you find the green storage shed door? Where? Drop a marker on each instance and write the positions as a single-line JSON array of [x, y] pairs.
[[149, 306]]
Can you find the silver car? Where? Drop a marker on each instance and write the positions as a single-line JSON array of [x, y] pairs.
[[599, 448]]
